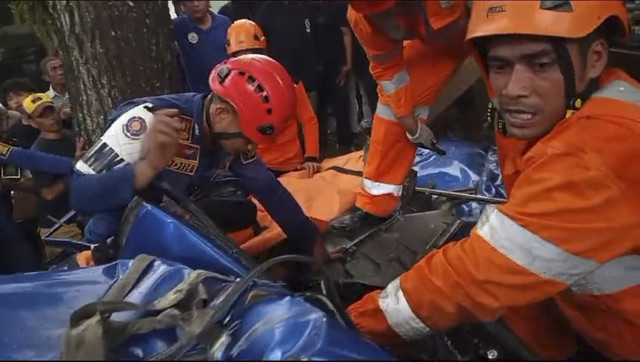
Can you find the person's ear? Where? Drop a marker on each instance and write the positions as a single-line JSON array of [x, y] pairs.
[[45, 76], [597, 58], [221, 111]]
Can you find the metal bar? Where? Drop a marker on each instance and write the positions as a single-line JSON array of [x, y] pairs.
[[59, 223], [460, 195], [371, 231], [67, 244]]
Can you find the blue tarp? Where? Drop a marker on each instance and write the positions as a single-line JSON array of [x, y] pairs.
[[268, 322], [466, 165]]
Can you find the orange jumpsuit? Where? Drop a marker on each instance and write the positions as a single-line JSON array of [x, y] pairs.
[[560, 258], [410, 74], [285, 154]]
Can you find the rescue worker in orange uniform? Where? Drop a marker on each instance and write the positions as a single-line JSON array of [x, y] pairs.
[[559, 260], [413, 47], [285, 154]]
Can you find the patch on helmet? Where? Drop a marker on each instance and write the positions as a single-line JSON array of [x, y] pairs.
[[135, 128]]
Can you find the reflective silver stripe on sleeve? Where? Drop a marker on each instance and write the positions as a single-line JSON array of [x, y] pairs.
[[399, 314], [378, 188], [385, 112], [398, 81], [620, 90], [611, 277], [583, 275], [529, 250]]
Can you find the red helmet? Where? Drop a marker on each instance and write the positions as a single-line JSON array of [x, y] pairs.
[[371, 6], [262, 92]]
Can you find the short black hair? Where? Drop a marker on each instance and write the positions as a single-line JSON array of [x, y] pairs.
[[15, 85]]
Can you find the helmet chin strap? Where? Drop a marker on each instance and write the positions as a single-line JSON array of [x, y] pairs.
[[217, 136], [574, 99]]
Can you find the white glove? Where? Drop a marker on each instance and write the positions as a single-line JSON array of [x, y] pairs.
[[423, 136]]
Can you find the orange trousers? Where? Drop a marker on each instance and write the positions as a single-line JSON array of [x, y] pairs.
[[391, 154]]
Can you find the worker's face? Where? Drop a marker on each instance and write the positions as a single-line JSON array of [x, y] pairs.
[[55, 73], [196, 9], [528, 85], [14, 101], [47, 119], [224, 119]]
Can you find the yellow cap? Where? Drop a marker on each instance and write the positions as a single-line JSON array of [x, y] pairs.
[[35, 103]]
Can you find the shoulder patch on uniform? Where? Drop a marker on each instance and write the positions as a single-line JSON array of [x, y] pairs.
[[5, 150], [248, 156], [134, 128]]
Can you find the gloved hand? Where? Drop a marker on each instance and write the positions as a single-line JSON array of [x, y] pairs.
[[425, 138]]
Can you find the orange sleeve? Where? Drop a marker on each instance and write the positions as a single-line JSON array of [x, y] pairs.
[[307, 118], [386, 63], [552, 232]]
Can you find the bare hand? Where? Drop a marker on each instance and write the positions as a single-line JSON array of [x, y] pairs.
[[161, 141], [80, 149], [310, 167], [65, 113], [342, 77]]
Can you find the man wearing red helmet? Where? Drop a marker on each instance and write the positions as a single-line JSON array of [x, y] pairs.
[[196, 137]]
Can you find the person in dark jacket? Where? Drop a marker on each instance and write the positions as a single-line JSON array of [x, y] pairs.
[[195, 136]]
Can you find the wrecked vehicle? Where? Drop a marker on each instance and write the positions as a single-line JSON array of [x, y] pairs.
[[173, 286]]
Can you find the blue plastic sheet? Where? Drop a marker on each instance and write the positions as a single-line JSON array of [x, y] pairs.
[[267, 322], [466, 165]]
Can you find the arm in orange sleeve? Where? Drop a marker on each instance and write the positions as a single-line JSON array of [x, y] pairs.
[[557, 227], [386, 63], [307, 118]]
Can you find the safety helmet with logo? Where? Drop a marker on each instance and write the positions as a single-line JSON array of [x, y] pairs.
[[244, 34], [559, 20], [371, 6], [262, 92]]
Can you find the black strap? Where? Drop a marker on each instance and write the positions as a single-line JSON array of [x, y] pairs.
[[213, 330], [123, 286], [92, 335], [345, 171]]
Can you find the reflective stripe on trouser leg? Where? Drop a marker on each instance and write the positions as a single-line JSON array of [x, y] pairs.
[[389, 161]]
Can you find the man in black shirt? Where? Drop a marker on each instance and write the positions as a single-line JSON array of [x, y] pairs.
[[23, 203], [288, 26], [53, 196], [239, 9], [334, 45]]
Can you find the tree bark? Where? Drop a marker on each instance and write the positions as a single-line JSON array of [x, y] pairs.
[[112, 51]]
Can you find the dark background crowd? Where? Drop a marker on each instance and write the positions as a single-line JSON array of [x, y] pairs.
[[312, 39]]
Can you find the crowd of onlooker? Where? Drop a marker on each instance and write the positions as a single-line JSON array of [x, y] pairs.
[[312, 39], [314, 42], [31, 203]]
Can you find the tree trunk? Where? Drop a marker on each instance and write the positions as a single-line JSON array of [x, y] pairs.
[[112, 51], [37, 15]]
